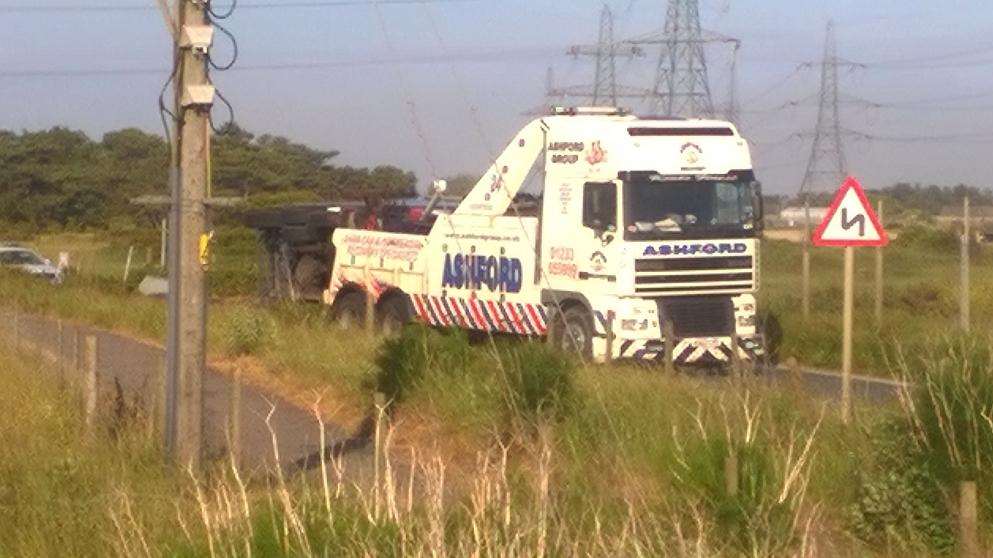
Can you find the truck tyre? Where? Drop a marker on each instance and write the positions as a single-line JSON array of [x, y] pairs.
[[310, 276], [349, 310], [393, 314], [572, 331]]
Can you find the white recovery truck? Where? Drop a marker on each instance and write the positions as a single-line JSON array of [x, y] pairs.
[[647, 234]]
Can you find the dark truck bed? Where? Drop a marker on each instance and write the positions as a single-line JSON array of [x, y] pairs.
[[295, 241], [295, 245]]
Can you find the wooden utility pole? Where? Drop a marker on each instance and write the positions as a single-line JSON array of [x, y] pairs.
[[964, 318], [879, 273], [186, 344]]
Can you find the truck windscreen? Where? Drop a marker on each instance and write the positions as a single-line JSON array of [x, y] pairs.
[[659, 207]]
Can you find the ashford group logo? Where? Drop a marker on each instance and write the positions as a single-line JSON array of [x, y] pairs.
[[597, 154]]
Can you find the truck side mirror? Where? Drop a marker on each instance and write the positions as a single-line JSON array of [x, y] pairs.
[[758, 206]]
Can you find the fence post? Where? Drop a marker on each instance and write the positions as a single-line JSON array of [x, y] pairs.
[[805, 264], [669, 334], [127, 264], [163, 242], [379, 455], [90, 383], [968, 541], [610, 336], [964, 319], [156, 404], [736, 368], [76, 352], [234, 418], [61, 355], [731, 473], [879, 273]]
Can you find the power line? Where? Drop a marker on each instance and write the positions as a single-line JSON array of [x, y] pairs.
[[932, 58], [528, 53], [971, 137], [70, 8]]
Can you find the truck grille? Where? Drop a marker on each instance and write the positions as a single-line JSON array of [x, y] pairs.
[[699, 316], [694, 276]]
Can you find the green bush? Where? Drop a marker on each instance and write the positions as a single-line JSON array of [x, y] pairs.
[[899, 500], [248, 332], [403, 361], [930, 237], [540, 380]]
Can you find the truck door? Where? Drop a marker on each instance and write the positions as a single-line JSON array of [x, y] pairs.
[[598, 234]]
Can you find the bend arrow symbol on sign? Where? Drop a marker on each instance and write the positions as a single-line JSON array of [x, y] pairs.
[[850, 221], [847, 223]]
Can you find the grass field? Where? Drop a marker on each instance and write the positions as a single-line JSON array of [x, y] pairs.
[[543, 457], [554, 459], [920, 302]]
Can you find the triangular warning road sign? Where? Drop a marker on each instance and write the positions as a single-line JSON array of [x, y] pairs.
[[850, 221]]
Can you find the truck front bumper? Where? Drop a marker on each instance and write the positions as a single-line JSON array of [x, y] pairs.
[[701, 351]]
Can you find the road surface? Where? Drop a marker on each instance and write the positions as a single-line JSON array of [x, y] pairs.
[[135, 365]]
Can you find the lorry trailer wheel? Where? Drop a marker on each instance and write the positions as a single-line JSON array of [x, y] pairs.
[[573, 331], [394, 313], [349, 310]]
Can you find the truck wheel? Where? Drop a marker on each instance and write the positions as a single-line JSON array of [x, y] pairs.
[[572, 331], [394, 313], [349, 310], [310, 276]]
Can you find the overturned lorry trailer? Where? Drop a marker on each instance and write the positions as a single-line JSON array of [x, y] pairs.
[[295, 249], [647, 235], [295, 240]]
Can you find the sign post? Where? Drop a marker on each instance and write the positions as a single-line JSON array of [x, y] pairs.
[[850, 222]]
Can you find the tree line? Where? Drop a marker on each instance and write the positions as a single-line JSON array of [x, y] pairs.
[[924, 199], [62, 178]]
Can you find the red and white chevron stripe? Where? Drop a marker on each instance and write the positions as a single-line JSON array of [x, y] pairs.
[[483, 315]]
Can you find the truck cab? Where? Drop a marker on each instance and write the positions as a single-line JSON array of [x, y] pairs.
[[645, 243]]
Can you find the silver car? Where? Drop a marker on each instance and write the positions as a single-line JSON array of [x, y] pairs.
[[29, 261]]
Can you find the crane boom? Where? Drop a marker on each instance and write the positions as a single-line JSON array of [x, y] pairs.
[[494, 192]]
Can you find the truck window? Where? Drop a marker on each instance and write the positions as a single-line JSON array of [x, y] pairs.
[[600, 206]]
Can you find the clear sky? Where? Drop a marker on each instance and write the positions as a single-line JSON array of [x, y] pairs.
[[440, 88]]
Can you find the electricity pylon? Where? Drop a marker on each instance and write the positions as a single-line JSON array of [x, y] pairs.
[[682, 86], [604, 90], [827, 168]]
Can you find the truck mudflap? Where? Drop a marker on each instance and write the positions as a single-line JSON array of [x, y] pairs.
[[483, 315], [694, 351]]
